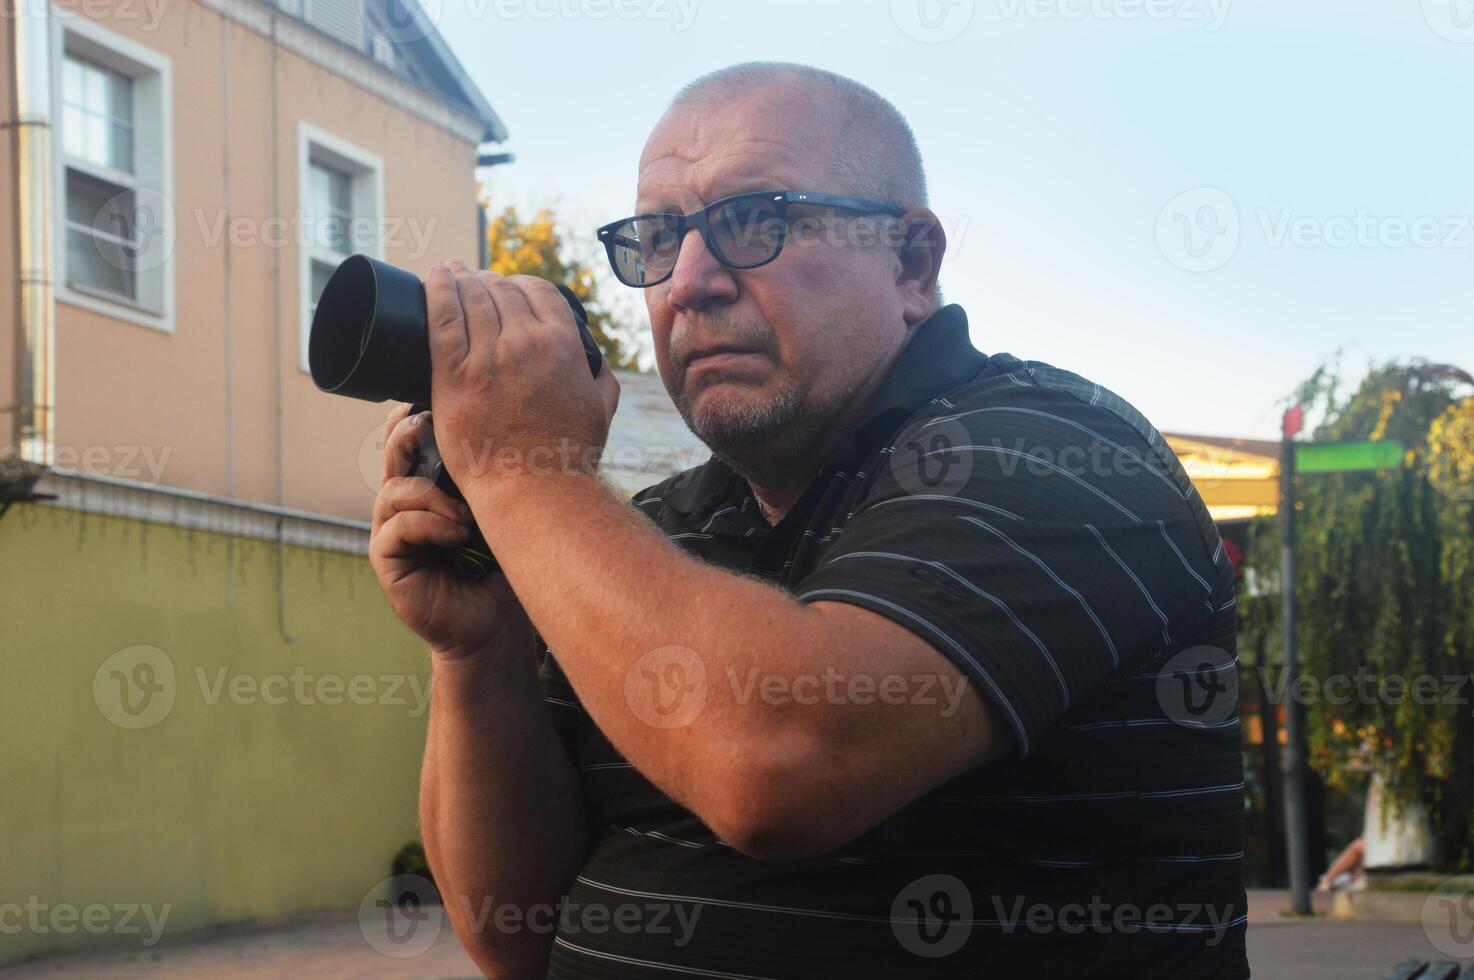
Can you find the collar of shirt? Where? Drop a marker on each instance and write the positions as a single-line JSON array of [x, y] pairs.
[[938, 358]]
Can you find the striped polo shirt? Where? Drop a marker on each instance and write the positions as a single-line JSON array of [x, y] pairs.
[[1036, 530]]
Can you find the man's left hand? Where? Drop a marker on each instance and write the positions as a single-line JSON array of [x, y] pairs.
[[511, 387]]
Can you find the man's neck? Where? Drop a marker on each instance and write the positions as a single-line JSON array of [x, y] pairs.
[[779, 488]]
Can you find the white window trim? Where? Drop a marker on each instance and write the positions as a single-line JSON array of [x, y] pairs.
[[368, 201], [153, 94]]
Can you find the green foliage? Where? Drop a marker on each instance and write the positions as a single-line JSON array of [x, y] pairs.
[[410, 860], [1385, 588], [518, 246]]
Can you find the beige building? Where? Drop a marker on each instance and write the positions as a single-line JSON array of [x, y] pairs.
[[193, 171], [210, 713]]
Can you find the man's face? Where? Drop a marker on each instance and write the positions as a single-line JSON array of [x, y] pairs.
[[762, 361]]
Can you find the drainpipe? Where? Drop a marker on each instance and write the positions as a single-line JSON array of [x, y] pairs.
[[33, 414]]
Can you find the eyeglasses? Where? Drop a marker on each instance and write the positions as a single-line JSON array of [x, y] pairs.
[[743, 232]]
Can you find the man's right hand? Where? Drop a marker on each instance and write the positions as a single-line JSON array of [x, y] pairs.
[[413, 521]]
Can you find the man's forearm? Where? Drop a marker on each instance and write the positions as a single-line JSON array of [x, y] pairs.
[[606, 589], [500, 810]]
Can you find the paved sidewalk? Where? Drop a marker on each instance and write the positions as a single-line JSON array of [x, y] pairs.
[[331, 945], [1323, 948]]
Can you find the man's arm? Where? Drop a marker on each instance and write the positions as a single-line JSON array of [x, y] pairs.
[[815, 722], [500, 808], [774, 779]]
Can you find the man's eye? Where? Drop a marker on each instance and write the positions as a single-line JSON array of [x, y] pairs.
[[660, 239], [746, 216]]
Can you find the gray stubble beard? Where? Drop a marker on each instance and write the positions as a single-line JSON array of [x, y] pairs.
[[768, 442]]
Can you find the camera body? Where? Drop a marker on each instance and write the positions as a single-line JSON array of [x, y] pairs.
[[370, 340]]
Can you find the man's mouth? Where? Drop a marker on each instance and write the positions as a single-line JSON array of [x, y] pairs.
[[719, 356]]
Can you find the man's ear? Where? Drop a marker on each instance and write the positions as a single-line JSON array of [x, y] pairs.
[[923, 243]]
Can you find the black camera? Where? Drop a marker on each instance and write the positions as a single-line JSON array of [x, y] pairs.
[[371, 340]]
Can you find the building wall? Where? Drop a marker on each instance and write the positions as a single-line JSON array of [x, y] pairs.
[[220, 807], [202, 407], [7, 241]]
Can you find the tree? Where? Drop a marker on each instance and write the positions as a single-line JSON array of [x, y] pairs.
[[535, 248], [1385, 592]]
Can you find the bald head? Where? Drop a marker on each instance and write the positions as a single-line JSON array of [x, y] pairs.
[[872, 151], [769, 363]]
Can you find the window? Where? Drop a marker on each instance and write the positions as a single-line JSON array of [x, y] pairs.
[[113, 150], [341, 189]]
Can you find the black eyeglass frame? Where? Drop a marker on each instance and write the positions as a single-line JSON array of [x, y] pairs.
[[701, 220]]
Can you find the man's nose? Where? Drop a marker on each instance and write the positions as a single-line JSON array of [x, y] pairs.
[[698, 279]]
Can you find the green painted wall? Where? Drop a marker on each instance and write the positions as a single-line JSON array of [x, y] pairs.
[[223, 811]]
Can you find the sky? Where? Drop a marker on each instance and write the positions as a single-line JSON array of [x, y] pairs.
[[1195, 203]]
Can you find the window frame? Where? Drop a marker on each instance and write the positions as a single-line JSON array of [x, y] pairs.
[[153, 165], [366, 194]]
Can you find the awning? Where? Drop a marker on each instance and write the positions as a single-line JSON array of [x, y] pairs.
[[1237, 478]]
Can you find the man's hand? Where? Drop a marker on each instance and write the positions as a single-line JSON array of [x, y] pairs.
[[413, 521], [511, 387]]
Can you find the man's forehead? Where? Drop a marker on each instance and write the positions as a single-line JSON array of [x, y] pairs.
[[756, 141]]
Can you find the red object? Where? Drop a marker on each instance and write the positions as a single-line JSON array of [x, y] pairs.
[[1235, 555], [1294, 421]]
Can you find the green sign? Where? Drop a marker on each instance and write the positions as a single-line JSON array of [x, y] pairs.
[[1347, 457]]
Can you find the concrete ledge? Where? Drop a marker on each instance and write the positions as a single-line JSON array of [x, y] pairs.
[[1396, 898]]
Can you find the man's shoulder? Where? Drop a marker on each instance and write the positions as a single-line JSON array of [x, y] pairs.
[[1012, 392], [1049, 441]]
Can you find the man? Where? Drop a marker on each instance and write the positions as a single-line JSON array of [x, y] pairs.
[[922, 674]]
